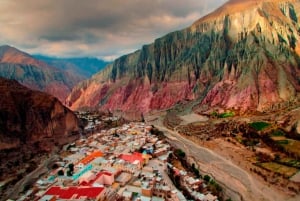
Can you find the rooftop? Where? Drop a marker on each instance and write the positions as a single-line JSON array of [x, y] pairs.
[[91, 157], [75, 192]]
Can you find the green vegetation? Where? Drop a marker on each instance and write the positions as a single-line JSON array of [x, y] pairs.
[[278, 168], [259, 125], [290, 162], [226, 114], [222, 115], [278, 133], [292, 13], [196, 171], [60, 173], [179, 153], [206, 178], [214, 187], [282, 142], [69, 173], [71, 167]]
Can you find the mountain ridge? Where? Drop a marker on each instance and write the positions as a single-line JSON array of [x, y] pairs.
[[84, 66], [35, 74], [245, 61]]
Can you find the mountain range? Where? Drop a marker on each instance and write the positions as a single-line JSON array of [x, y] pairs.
[[84, 66], [244, 56], [52, 75]]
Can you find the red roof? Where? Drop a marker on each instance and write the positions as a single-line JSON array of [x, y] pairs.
[[75, 192], [132, 157], [91, 157]]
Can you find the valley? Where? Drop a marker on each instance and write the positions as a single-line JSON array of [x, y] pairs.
[[208, 112], [227, 148]]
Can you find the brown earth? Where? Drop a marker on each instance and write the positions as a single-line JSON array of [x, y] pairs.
[[32, 124]]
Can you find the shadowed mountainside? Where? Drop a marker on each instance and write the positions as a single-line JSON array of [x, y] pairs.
[[85, 66], [28, 116], [32, 124]]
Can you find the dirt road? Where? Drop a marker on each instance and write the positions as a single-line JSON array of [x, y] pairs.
[[28, 179], [239, 183]]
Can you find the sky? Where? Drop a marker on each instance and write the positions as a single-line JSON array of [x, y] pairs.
[[104, 29]]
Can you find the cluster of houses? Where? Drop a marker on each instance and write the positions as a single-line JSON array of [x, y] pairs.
[[196, 187], [125, 163]]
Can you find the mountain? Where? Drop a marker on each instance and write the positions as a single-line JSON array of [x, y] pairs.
[[31, 123], [85, 66], [244, 56], [35, 74]]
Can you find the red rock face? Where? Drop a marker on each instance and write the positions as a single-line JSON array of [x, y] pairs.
[[244, 56], [60, 90], [137, 95]]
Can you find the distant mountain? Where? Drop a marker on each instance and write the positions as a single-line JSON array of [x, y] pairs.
[[35, 74], [84, 66], [31, 123], [244, 56]]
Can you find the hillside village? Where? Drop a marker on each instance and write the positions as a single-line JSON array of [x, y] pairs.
[[123, 163]]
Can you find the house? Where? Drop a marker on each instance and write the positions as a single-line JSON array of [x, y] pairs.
[[48, 198], [135, 158], [87, 177], [91, 179], [86, 160], [127, 195], [73, 193], [123, 178], [105, 178]]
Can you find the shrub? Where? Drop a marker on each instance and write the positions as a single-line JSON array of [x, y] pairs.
[[206, 178], [60, 173], [260, 125]]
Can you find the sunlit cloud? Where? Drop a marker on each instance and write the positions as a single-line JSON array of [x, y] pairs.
[[100, 28]]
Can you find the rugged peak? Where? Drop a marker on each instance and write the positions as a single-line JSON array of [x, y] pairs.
[[243, 56], [232, 7], [35, 74], [12, 55]]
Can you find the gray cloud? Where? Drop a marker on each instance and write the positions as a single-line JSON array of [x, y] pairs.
[[102, 28]]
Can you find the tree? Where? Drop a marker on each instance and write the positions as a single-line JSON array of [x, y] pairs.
[[69, 173], [206, 178], [193, 166], [60, 173], [71, 167], [54, 166], [180, 153]]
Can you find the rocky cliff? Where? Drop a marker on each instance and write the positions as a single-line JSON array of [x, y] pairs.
[[243, 56], [31, 117], [35, 74]]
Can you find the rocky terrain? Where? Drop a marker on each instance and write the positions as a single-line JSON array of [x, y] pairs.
[[243, 57], [35, 74], [32, 123]]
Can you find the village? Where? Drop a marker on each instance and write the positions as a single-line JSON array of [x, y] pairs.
[[124, 163]]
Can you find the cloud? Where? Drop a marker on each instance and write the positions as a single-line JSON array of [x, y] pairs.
[[101, 28]]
